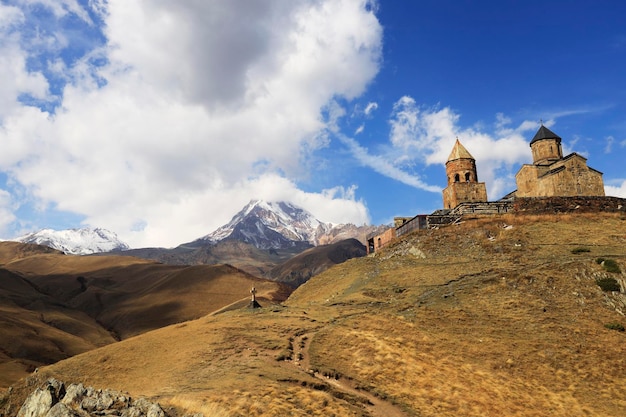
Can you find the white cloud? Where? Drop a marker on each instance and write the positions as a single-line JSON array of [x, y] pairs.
[[197, 108], [371, 106], [424, 136], [618, 190], [60, 8], [6, 210], [384, 166], [13, 64], [427, 135], [609, 144]]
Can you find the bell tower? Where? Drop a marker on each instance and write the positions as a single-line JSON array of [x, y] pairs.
[[463, 185]]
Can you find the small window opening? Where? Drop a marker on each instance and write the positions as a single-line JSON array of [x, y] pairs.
[[467, 176], [457, 178]]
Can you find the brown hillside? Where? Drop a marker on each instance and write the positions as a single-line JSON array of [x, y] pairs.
[[11, 251], [239, 254], [311, 262], [497, 316], [54, 306]]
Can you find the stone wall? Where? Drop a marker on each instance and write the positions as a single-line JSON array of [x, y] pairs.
[[464, 192], [551, 205]]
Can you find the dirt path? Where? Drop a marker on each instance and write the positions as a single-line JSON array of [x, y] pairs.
[[375, 406]]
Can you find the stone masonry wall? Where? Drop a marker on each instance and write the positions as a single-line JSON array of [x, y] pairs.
[[464, 192], [551, 205]]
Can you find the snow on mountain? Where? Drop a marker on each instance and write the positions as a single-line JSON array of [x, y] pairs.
[[271, 226], [76, 241]]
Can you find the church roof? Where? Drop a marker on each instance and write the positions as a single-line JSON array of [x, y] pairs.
[[459, 152], [545, 133]]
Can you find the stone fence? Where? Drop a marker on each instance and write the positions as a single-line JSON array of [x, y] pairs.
[[551, 205]]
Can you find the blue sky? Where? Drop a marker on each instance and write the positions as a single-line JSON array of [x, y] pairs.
[[160, 120]]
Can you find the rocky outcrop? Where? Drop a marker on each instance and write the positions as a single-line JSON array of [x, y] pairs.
[[54, 399]]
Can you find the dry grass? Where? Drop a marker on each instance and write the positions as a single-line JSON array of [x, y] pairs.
[[480, 319], [189, 405], [48, 314], [492, 318]]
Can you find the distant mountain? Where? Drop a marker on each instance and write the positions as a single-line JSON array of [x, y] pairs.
[[76, 241], [281, 225], [270, 226]]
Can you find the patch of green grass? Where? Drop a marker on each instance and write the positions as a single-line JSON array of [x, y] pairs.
[[608, 284], [580, 249], [609, 265], [615, 326]]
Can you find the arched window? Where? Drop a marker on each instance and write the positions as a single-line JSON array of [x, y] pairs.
[[457, 178], [379, 242], [467, 176]]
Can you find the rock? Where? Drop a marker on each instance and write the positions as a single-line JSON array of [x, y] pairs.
[[61, 410], [100, 402], [73, 395], [416, 252], [37, 404], [148, 408], [52, 399], [155, 411], [132, 412], [42, 399]]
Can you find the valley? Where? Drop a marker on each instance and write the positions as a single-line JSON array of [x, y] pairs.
[[54, 306]]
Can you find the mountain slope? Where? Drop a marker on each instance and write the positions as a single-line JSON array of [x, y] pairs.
[[493, 316], [244, 256], [76, 241], [53, 306], [299, 269]]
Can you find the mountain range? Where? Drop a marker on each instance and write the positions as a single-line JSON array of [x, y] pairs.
[[265, 235], [265, 225], [275, 240], [83, 241]]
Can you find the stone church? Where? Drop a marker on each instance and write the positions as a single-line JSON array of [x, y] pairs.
[[551, 174]]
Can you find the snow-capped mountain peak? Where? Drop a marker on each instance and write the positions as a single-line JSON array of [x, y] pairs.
[[76, 241], [270, 225]]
